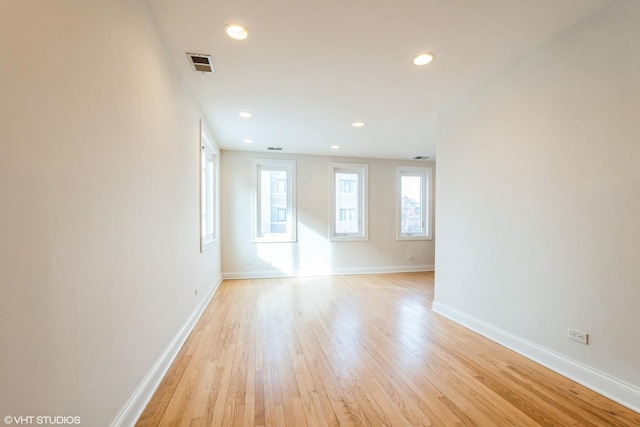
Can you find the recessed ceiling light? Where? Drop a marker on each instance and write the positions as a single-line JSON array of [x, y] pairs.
[[357, 124], [335, 147], [424, 58], [236, 31], [245, 114], [248, 141]]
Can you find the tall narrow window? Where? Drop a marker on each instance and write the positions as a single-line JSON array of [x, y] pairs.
[[414, 220], [208, 192], [348, 201], [275, 216]]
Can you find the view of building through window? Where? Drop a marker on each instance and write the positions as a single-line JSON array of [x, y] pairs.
[[275, 209], [347, 203], [273, 202], [207, 194], [411, 209]]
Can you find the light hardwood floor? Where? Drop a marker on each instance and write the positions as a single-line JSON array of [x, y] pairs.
[[357, 350]]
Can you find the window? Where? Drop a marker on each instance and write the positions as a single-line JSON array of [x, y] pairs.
[[275, 216], [347, 214], [208, 192], [347, 185], [414, 203], [348, 201]]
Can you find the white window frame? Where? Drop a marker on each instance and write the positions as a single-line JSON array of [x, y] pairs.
[[426, 202], [208, 211], [362, 170], [289, 166]]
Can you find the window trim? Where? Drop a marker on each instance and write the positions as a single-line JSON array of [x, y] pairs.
[[427, 202], [289, 166], [207, 148], [362, 170]]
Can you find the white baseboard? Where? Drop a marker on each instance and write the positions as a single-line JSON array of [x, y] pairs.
[[615, 389], [265, 274], [130, 413]]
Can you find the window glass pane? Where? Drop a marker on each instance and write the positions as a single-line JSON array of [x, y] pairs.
[[347, 203], [207, 195], [411, 208], [346, 185], [274, 217], [273, 202]]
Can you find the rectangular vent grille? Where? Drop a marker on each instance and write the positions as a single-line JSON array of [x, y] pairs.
[[274, 148], [201, 63]]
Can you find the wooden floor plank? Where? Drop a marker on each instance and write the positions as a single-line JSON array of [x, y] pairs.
[[354, 351]]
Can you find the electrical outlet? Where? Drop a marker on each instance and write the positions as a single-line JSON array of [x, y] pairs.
[[410, 257], [578, 336], [247, 262]]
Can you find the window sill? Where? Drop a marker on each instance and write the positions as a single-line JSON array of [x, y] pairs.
[[348, 239], [274, 240], [417, 237], [206, 244]]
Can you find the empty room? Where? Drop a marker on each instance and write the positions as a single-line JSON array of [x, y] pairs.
[[296, 213]]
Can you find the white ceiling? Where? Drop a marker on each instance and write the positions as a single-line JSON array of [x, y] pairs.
[[311, 68]]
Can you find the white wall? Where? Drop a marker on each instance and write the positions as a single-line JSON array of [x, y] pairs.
[[313, 253], [99, 250], [538, 199]]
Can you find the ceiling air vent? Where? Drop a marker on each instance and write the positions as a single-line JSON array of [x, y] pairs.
[[421, 157], [274, 148], [201, 63]]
